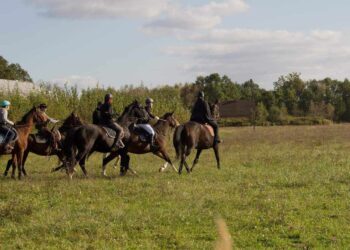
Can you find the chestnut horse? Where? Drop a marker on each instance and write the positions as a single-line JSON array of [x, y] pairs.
[[46, 149], [23, 128]]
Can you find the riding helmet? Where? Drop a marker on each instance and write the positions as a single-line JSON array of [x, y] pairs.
[[108, 97], [200, 94], [149, 100], [5, 103]]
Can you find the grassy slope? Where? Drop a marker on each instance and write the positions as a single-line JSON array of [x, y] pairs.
[[279, 187]]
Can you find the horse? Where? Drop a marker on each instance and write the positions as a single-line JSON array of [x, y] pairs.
[[193, 135], [136, 145], [215, 111], [45, 148], [23, 128], [90, 138]]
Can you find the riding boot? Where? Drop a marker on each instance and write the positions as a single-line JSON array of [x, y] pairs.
[[216, 139]]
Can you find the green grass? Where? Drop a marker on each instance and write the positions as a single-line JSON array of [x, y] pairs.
[[279, 187]]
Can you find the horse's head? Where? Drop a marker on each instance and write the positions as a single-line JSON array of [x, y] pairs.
[[170, 118], [133, 112], [73, 120]]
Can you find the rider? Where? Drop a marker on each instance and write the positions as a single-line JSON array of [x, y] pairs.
[[5, 125], [42, 128], [96, 115], [107, 113], [148, 108], [201, 114], [144, 124]]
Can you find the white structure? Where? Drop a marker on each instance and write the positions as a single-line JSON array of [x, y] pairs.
[[23, 87]]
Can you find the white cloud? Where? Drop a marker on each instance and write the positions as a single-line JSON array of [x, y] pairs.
[[266, 54], [181, 18], [100, 8]]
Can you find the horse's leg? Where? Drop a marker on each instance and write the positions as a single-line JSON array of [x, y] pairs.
[[19, 163], [217, 156], [106, 160], [14, 165], [82, 165], [25, 156], [57, 168], [124, 163], [164, 155], [9, 164], [199, 151]]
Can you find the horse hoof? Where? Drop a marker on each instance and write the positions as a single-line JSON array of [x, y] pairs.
[[161, 170]]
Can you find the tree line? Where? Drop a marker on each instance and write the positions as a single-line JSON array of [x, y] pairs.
[[291, 96]]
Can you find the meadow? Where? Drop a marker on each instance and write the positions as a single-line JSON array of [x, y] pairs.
[[279, 187]]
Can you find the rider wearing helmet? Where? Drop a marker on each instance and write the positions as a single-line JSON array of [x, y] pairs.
[[149, 105], [107, 120], [146, 127], [6, 125], [43, 130], [201, 114]]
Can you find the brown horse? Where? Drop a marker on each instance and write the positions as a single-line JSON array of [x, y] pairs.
[[193, 135], [46, 149], [23, 128], [137, 146]]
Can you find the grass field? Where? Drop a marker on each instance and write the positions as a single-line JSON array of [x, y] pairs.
[[279, 187]]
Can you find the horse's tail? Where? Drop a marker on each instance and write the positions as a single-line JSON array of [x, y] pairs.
[[69, 146], [177, 140], [187, 140]]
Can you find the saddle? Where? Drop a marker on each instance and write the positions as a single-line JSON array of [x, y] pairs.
[[209, 129], [109, 132], [41, 139]]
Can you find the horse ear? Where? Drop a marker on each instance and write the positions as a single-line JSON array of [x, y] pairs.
[[172, 112]]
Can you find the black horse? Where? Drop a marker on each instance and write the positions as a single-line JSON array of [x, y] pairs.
[[86, 139]]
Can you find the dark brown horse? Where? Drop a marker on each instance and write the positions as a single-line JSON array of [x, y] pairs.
[[193, 135], [86, 139], [23, 128], [137, 146], [46, 149]]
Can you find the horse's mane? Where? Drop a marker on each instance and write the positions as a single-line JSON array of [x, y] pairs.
[[67, 121], [127, 110], [25, 118]]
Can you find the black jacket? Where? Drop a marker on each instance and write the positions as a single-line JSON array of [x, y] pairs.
[[106, 113], [96, 116], [201, 112]]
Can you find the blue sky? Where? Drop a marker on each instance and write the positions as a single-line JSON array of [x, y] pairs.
[[118, 42]]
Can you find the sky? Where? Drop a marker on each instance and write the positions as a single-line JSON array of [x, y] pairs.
[[157, 42]]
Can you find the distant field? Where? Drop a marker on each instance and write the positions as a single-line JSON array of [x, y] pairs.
[[279, 187]]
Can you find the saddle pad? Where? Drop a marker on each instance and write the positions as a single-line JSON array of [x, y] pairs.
[[209, 129], [110, 132], [142, 132], [2, 139], [40, 139]]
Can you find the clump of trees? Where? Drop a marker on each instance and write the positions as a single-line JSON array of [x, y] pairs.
[[13, 71]]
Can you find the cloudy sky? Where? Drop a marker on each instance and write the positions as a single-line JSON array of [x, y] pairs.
[[118, 42]]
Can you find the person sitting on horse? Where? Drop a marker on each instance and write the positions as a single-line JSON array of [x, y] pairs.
[[43, 130], [6, 125], [146, 127], [107, 120], [96, 115], [149, 105], [201, 114]]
